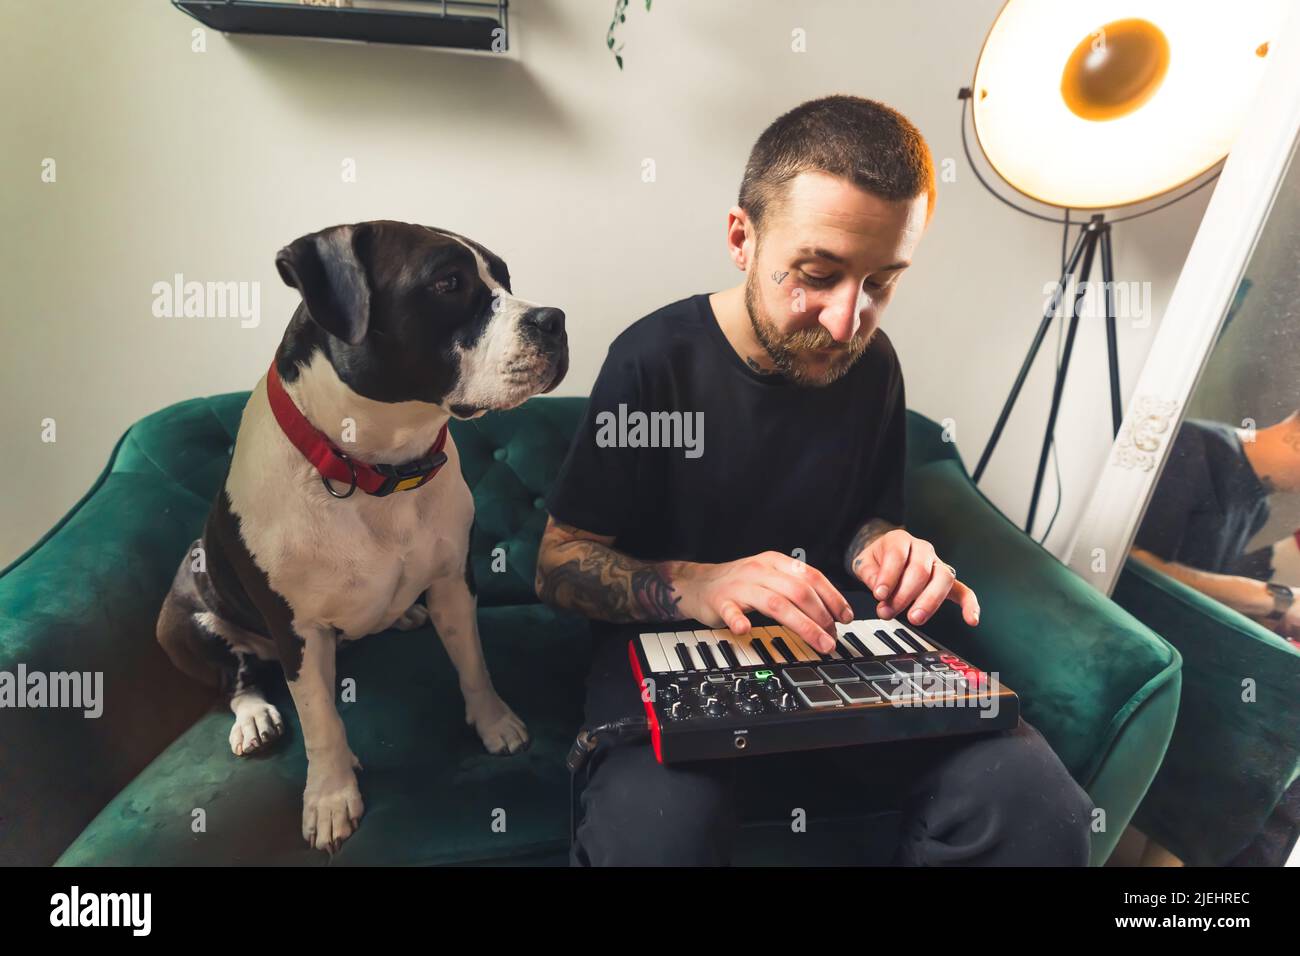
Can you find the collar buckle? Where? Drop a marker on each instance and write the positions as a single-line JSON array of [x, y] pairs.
[[409, 474]]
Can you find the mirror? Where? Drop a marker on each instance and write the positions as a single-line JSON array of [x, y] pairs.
[[1224, 515]]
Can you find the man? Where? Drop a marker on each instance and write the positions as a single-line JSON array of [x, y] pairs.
[[1211, 499], [794, 494]]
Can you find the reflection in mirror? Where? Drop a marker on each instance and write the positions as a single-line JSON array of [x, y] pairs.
[[1224, 519]]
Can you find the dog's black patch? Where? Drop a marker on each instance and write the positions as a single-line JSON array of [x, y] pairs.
[[239, 580], [194, 649], [469, 335], [469, 564]]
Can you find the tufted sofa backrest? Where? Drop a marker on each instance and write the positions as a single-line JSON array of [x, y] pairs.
[[509, 460]]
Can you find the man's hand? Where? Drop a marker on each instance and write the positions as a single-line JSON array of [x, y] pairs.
[[1289, 626], [901, 570], [785, 589]]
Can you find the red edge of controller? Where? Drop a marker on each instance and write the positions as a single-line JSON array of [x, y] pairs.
[[649, 706]]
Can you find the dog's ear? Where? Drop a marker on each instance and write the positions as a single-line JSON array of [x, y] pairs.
[[328, 268]]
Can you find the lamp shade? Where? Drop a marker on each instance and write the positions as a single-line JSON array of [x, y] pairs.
[[1109, 102]]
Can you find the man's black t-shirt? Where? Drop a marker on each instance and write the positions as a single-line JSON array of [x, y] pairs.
[[767, 464], [1208, 503]]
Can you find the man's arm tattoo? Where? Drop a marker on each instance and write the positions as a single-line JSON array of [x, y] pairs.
[[868, 533], [600, 583]]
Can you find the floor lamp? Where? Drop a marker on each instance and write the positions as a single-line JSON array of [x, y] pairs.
[[1102, 105]]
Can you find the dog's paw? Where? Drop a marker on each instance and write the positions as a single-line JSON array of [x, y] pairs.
[[501, 731], [331, 805], [417, 615], [257, 725]]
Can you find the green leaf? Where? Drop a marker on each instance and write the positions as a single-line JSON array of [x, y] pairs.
[[620, 60]]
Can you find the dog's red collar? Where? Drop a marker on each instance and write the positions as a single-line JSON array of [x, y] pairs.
[[334, 465]]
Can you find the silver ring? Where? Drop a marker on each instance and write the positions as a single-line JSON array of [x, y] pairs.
[[351, 487]]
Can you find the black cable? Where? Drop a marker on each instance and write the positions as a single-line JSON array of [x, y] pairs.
[[622, 730]]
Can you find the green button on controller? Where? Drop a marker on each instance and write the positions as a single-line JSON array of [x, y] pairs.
[[763, 675]]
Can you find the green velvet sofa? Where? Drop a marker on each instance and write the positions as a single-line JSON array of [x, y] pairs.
[[1236, 745], [152, 780]]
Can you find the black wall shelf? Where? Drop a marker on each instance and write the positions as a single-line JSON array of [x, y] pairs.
[[444, 24]]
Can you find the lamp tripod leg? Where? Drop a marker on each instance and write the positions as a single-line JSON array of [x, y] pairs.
[[1081, 289], [1112, 346], [1087, 238]]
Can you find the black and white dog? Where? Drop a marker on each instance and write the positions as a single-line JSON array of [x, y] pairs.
[[336, 513]]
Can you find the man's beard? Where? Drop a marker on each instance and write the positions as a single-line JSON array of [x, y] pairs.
[[788, 352]]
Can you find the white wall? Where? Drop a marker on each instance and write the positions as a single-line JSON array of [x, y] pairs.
[[207, 163]]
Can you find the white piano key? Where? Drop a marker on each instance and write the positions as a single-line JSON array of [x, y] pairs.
[[865, 631], [739, 645], [654, 654], [668, 642], [706, 638]]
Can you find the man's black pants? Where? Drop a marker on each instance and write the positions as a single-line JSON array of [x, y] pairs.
[[996, 799]]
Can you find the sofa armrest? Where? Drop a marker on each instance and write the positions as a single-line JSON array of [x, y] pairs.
[[1236, 745], [85, 600], [1100, 686]]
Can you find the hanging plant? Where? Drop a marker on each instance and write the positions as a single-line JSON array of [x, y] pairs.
[[620, 14]]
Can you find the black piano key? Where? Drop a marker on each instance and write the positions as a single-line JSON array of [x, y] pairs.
[[888, 641], [760, 649], [684, 655], [856, 643], [918, 641], [728, 654], [784, 649], [911, 637], [905, 639], [706, 653]]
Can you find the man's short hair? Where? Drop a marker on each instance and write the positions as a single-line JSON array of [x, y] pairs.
[[865, 142]]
